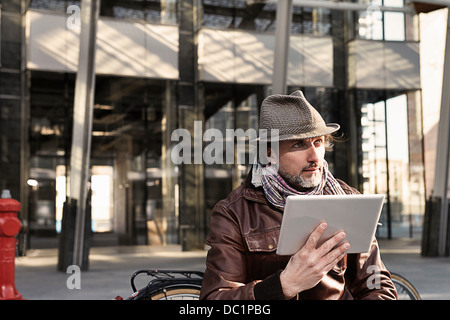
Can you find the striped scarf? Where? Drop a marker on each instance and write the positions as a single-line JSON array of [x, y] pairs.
[[277, 189]]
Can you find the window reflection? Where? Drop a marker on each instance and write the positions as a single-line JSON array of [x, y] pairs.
[[307, 20], [261, 16], [153, 11], [126, 178], [387, 167], [230, 107], [396, 29], [53, 5], [374, 24]]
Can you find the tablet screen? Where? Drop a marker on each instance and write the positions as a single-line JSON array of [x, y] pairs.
[[357, 215]]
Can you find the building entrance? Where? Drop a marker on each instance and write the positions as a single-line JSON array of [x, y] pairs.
[[131, 184]]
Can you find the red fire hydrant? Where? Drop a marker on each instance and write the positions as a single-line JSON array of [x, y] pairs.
[[9, 227]]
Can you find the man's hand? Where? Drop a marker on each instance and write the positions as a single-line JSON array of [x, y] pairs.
[[310, 264]]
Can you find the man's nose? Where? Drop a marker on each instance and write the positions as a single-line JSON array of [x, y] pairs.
[[313, 155]]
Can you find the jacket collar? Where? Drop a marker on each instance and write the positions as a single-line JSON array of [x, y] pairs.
[[253, 193]]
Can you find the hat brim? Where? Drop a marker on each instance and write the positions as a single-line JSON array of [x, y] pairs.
[[323, 131]]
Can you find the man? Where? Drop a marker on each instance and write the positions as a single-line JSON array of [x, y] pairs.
[[242, 262]]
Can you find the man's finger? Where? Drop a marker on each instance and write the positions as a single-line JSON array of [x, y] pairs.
[[332, 242], [333, 257], [314, 237]]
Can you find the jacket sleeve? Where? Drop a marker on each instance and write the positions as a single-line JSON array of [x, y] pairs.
[[226, 271], [225, 263], [368, 278]]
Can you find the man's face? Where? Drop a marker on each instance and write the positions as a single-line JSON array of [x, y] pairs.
[[301, 161]]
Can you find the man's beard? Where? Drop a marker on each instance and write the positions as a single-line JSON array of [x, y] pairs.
[[297, 180]]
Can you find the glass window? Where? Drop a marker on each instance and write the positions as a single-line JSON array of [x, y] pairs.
[[152, 11], [261, 16], [387, 167], [370, 24], [53, 5], [306, 20], [127, 139], [238, 14], [394, 23], [374, 24], [230, 107], [51, 105], [127, 178]]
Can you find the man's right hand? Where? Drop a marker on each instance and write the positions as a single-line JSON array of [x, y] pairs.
[[310, 264]]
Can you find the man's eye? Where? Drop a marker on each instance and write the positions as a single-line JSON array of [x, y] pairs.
[[318, 142], [300, 144]]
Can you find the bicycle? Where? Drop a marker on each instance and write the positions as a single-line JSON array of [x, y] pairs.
[[168, 285], [405, 289], [186, 285]]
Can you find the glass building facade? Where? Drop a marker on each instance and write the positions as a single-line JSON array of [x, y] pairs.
[[165, 64]]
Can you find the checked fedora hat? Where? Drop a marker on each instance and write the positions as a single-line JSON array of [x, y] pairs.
[[293, 116]]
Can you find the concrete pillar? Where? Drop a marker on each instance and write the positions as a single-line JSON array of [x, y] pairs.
[[190, 109], [281, 52], [81, 142]]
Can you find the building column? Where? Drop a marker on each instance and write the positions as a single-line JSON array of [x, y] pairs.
[[443, 151], [14, 109], [124, 218], [281, 53], [344, 100], [74, 245], [436, 233], [169, 171], [190, 109]]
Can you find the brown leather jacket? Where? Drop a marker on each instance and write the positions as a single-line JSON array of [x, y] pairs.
[[242, 262]]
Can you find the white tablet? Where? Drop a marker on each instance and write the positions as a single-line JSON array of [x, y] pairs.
[[357, 215]]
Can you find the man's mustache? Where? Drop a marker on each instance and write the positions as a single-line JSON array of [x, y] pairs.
[[310, 166]]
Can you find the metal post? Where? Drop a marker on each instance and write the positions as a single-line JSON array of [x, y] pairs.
[[443, 148], [82, 121], [281, 52], [388, 193]]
